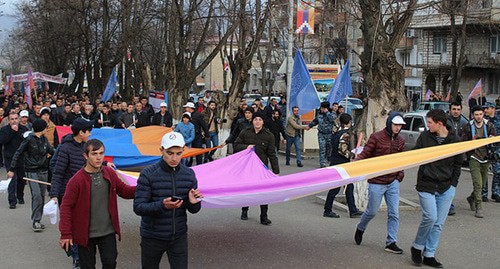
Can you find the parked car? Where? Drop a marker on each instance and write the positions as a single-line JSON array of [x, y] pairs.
[[433, 105], [415, 124], [352, 104]]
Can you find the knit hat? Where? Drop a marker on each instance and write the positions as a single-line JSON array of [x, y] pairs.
[[258, 114], [39, 125], [249, 109], [81, 124]]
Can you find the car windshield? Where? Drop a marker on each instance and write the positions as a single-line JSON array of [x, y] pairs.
[[355, 102]]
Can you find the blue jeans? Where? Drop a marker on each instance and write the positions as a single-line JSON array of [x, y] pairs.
[[296, 141], [495, 183], [391, 194], [213, 141], [434, 212]]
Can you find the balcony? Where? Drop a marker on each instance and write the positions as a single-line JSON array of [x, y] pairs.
[[406, 43]]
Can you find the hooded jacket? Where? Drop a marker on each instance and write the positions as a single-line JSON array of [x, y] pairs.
[[383, 143]]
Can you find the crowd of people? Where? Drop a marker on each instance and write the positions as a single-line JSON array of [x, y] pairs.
[[82, 183]]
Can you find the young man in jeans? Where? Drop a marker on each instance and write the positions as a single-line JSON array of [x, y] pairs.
[[436, 183], [380, 143], [34, 150], [89, 210]]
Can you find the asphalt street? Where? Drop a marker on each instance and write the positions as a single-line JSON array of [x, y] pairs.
[[300, 237]]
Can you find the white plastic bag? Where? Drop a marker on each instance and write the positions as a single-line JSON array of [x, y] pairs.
[[4, 185], [51, 209]]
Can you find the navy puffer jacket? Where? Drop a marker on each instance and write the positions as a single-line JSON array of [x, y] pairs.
[[69, 159], [157, 182]]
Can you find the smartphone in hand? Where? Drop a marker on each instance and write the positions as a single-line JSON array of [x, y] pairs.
[[175, 198]]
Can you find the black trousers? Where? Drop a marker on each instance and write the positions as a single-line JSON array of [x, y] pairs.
[[107, 251], [16, 186], [263, 210], [152, 251], [198, 143]]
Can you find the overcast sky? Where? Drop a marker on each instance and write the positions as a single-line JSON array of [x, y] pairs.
[[7, 16]]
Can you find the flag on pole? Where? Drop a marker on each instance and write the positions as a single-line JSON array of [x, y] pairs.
[[428, 94], [226, 64], [9, 86], [342, 86], [110, 87], [30, 84], [448, 96], [302, 93], [46, 86], [305, 17], [477, 91]]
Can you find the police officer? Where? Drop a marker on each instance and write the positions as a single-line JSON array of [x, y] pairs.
[[325, 121]]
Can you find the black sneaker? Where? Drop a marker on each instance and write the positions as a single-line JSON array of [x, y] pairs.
[[452, 211], [393, 248], [20, 201], [416, 256], [12, 206], [495, 197], [287, 163], [331, 215], [300, 165], [265, 221], [37, 227], [432, 262], [356, 214], [244, 215], [472, 203], [358, 236]]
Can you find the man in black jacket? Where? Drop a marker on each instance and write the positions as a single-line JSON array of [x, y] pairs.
[[11, 137], [262, 141], [34, 150], [436, 183], [162, 117], [164, 192], [142, 116], [276, 127], [200, 129]]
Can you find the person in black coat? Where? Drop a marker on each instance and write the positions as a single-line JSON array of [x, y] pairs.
[[142, 116], [200, 129], [162, 117], [11, 137], [276, 127]]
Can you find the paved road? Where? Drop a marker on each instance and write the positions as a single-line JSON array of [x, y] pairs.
[[299, 237]]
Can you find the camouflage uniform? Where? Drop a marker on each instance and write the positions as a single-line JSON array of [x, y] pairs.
[[325, 122], [495, 164]]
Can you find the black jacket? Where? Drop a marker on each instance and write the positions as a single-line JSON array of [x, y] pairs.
[[264, 146], [11, 140], [142, 119], [438, 176], [199, 124], [275, 127], [240, 125], [167, 119], [34, 152], [157, 182], [68, 160]]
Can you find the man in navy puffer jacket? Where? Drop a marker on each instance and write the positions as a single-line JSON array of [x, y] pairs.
[[164, 192]]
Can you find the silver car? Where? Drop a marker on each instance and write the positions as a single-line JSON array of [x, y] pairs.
[[415, 124]]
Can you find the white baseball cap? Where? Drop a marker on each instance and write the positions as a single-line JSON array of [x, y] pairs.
[[163, 104], [172, 139], [24, 113], [190, 105], [398, 120]]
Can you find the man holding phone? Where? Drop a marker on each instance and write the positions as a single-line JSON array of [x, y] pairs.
[[165, 191]]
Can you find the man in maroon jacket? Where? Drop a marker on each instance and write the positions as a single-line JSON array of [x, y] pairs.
[[381, 143], [84, 218]]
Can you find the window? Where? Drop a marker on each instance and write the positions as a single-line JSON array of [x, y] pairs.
[[417, 123], [439, 43], [408, 123], [495, 44]]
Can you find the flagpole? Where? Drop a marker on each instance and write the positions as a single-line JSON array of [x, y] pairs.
[[289, 56]]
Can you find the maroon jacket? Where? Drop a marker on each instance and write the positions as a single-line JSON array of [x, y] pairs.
[[75, 205], [382, 143]]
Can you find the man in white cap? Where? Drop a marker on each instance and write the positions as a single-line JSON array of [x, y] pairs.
[[200, 128], [162, 117], [24, 120], [164, 192], [386, 141]]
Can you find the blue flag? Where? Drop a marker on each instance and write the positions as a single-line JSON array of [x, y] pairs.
[[110, 87], [302, 93], [342, 86]]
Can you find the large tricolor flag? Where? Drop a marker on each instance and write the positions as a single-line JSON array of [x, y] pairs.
[[305, 17], [302, 91], [477, 91], [251, 183]]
